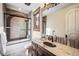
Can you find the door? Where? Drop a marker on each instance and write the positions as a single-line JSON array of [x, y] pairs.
[[77, 20], [19, 28], [71, 21]]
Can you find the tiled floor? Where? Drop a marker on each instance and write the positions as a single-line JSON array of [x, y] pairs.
[[17, 49]]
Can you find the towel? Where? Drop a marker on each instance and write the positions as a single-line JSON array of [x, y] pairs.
[[3, 43]]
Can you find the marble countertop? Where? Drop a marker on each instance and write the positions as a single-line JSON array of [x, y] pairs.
[[59, 50]]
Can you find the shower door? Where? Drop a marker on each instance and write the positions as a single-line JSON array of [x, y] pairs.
[[17, 29]]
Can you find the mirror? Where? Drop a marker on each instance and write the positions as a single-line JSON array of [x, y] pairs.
[[54, 19]]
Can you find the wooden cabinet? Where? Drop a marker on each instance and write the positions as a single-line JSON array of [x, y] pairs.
[[40, 51]]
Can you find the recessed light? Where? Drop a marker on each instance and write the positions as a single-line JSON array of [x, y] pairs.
[[19, 8]]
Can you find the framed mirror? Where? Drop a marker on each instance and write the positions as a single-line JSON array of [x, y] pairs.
[[36, 23]]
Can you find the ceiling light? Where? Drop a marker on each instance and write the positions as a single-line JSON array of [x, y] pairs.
[[28, 4], [19, 9]]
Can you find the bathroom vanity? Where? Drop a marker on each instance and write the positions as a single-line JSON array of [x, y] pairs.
[[57, 50]]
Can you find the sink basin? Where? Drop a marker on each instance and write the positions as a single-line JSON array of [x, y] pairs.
[[49, 44]]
